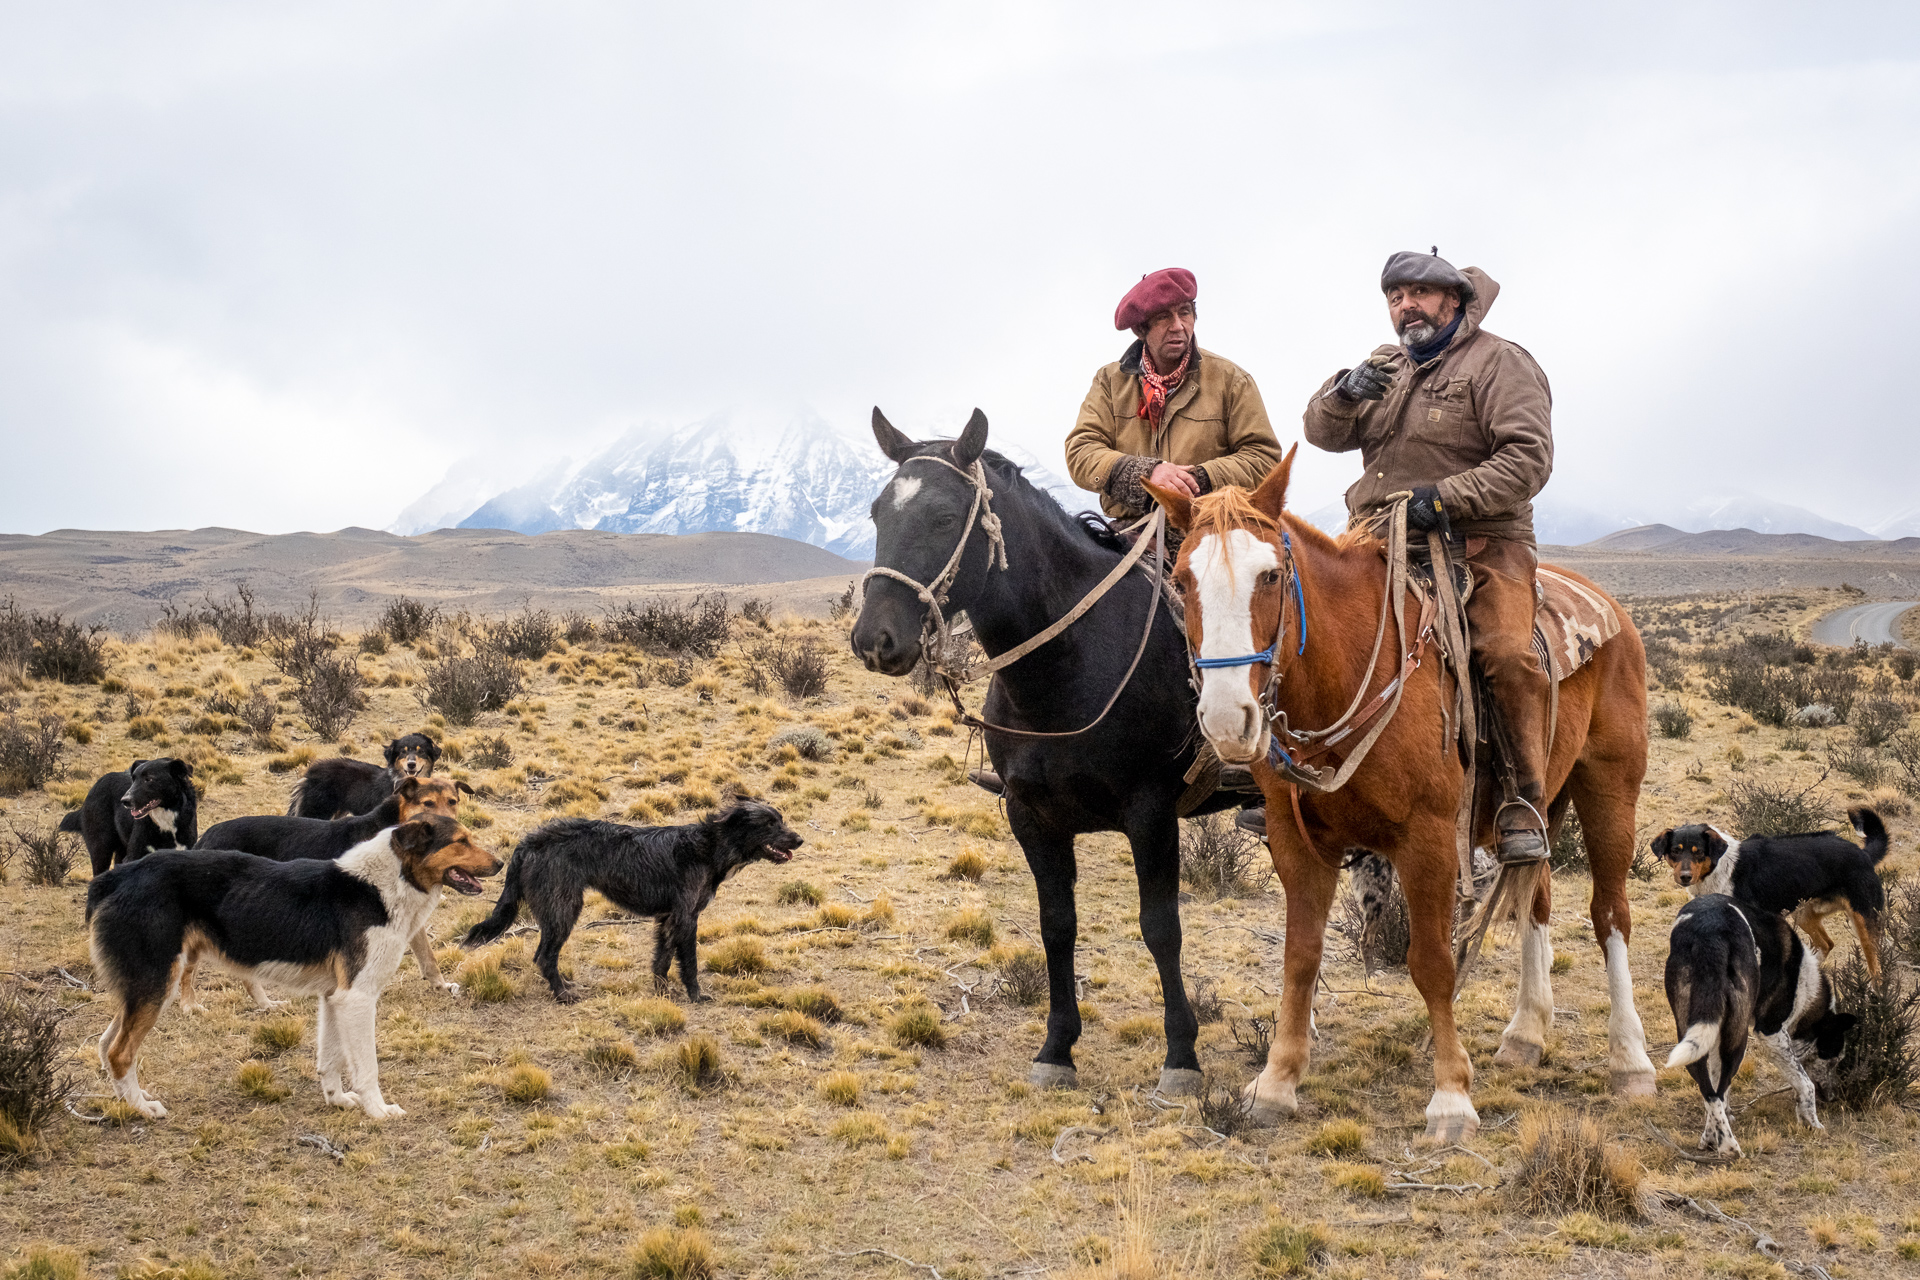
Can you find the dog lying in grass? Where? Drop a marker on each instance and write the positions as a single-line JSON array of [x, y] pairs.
[[288, 839], [669, 873], [333, 928]]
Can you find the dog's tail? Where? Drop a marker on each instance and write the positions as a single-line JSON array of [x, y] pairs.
[[295, 796], [507, 909], [1707, 997], [1867, 823], [71, 822]]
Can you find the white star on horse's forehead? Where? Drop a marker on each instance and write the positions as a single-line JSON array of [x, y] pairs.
[[905, 489]]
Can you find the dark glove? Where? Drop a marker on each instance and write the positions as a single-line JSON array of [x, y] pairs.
[[1426, 514], [1365, 382]]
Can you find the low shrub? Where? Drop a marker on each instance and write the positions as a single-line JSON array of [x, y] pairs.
[[797, 663], [258, 714], [330, 694], [810, 742], [50, 854], [1567, 845], [1673, 720], [529, 634], [491, 753], [1223, 1107], [1023, 976], [30, 751], [1881, 1060], [407, 621], [34, 1086], [1776, 809], [48, 647], [696, 626], [293, 643], [1218, 858], [461, 688]]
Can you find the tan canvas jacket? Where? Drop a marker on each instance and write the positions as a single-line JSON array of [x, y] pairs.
[[1476, 421], [1215, 421]]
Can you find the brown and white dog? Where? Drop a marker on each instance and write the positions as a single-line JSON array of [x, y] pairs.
[[334, 928]]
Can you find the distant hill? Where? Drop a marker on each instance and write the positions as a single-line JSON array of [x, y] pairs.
[[1658, 559], [126, 577]]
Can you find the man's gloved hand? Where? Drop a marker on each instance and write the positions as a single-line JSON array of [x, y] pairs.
[[1426, 514], [1368, 381]]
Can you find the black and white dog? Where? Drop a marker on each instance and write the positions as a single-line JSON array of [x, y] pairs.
[[335, 929], [1812, 875], [152, 805], [290, 839], [1731, 967], [669, 873], [339, 787]]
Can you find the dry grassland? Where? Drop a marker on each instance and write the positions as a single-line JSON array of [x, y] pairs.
[[837, 1097]]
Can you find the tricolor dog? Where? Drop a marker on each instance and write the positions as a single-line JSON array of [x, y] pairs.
[[1731, 967], [335, 929], [339, 787], [1812, 875], [287, 839], [150, 806]]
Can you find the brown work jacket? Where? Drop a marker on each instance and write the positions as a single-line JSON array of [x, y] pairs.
[[1215, 421], [1475, 421]]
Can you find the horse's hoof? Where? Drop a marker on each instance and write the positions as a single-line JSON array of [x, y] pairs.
[[1051, 1075], [1179, 1082], [1633, 1084], [1268, 1109], [1517, 1053], [1451, 1119]]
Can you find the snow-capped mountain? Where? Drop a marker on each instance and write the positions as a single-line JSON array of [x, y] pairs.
[[794, 475]]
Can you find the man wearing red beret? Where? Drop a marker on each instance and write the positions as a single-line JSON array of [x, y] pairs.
[[1167, 410]]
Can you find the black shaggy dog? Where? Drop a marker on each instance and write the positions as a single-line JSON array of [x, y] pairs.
[[152, 805], [669, 873], [340, 787]]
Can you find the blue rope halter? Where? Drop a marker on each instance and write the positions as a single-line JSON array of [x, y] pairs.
[[1266, 654]]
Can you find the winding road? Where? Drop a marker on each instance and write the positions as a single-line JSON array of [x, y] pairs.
[[1874, 623]]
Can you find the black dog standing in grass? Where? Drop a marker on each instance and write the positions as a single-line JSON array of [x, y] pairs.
[[343, 788], [128, 815], [669, 873]]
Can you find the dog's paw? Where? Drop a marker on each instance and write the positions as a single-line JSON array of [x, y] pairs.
[[149, 1106], [385, 1111], [451, 988], [699, 997], [196, 1007], [268, 1002], [346, 1098]]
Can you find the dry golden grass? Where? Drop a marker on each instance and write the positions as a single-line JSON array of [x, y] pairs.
[[719, 1144]]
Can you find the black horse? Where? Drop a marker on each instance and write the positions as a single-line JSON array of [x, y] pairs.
[[1123, 775]]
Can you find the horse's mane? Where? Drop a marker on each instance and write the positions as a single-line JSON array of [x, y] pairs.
[[1007, 475], [1232, 508]]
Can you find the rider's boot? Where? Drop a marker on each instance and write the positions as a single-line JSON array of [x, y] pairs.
[[1252, 819], [1522, 826], [987, 780]]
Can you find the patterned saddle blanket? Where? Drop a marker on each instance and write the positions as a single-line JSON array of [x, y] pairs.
[[1571, 622]]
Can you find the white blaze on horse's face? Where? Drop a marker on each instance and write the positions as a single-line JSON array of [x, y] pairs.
[[904, 490], [1227, 569]]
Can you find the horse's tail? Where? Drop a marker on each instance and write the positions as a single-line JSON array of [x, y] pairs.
[[1510, 898]]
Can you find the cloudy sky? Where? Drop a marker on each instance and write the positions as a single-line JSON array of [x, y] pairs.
[[280, 267]]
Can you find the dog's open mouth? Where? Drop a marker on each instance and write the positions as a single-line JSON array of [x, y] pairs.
[[144, 809], [461, 881], [777, 854]]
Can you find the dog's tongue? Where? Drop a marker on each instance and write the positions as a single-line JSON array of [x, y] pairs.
[[146, 808], [462, 882], [780, 855]]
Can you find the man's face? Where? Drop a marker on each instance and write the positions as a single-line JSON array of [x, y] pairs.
[[1418, 311], [1169, 337]]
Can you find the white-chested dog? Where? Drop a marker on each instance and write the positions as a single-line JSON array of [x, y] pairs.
[[335, 929]]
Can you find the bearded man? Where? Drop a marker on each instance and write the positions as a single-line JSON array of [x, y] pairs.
[[1167, 410], [1463, 419]]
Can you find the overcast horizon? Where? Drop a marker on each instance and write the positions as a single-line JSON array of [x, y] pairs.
[[283, 269]]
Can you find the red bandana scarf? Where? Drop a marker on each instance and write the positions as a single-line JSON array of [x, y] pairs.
[[1156, 387]]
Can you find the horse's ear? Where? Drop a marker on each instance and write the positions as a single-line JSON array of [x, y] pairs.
[[1178, 505], [896, 446], [1271, 497], [966, 450]]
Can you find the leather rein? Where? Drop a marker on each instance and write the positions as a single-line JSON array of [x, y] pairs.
[[937, 627], [1295, 765]]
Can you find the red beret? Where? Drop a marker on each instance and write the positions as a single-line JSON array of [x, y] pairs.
[[1155, 293]]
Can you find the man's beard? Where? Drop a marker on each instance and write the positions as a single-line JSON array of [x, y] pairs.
[[1417, 330]]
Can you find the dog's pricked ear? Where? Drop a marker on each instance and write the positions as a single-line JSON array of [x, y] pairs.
[[408, 790], [135, 766], [461, 786], [1662, 845], [433, 749], [392, 752], [966, 450], [896, 446], [180, 768]]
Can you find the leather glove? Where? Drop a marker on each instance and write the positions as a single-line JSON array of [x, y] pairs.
[[1426, 514], [1367, 381]]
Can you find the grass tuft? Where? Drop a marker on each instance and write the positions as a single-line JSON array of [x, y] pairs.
[[652, 1016], [674, 1253], [1282, 1249], [43, 1263], [972, 925], [255, 1079], [696, 1063], [481, 979], [1566, 1166], [816, 1002], [612, 1057], [795, 1028], [795, 892], [918, 1027], [968, 864], [277, 1035], [842, 1088], [1138, 1029], [1338, 1138], [861, 1129], [738, 958], [525, 1084]]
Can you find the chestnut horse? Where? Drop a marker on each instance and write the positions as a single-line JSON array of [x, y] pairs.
[[1253, 575]]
